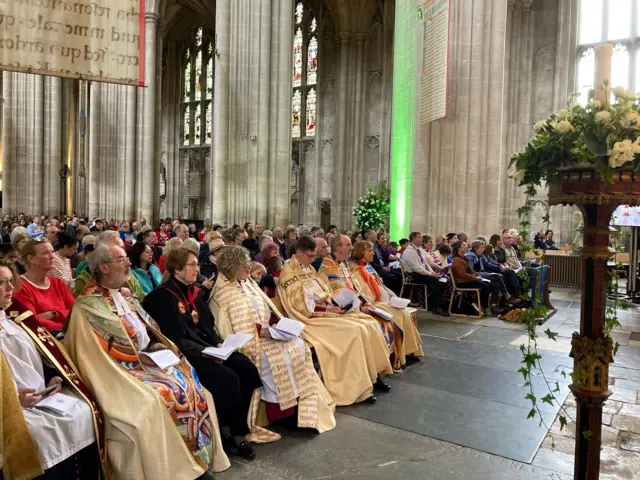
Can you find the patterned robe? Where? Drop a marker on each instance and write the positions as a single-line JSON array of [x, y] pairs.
[[168, 429], [336, 276], [343, 344], [241, 307], [373, 288]]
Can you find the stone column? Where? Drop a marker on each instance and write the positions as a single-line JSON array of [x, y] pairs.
[[220, 150], [357, 164], [341, 180]]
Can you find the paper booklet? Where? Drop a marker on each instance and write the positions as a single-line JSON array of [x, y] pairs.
[[58, 402], [344, 297], [162, 358], [232, 343], [394, 264], [486, 280], [382, 313], [399, 302], [286, 329]]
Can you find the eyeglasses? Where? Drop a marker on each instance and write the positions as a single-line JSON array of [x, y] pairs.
[[123, 259], [5, 283], [310, 256], [193, 264]]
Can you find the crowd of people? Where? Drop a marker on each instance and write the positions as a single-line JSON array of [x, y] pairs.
[[106, 327]]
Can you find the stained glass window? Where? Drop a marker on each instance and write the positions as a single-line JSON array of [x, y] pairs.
[[299, 13], [312, 61], [198, 65], [208, 123], [311, 112], [297, 58], [199, 75], [187, 126], [295, 114], [209, 77], [615, 21], [305, 73], [197, 128]]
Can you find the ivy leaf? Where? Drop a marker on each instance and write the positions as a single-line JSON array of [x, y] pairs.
[[532, 413], [524, 371], [551, 335], [587, 434], [548, 398], [557, 389], [615, 348], [564, 374], [532, 397], [563, 421]]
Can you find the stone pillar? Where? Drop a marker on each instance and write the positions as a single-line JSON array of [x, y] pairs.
[[341, 181], [220, 150]]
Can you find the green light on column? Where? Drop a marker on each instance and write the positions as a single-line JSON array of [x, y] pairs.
[[403, 114]]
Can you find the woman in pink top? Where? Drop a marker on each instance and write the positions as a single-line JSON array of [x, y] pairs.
[[48, 297]]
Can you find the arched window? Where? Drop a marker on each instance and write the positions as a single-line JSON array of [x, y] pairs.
[[196, 104], [197, 85], [305, 73], [616, 22]]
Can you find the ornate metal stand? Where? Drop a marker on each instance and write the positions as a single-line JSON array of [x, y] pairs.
[[590, 350]]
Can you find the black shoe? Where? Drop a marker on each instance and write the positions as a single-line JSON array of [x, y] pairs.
[[372, 399], [208, 475], [382, 386], [441, 312], [411, 359], [246, 451]]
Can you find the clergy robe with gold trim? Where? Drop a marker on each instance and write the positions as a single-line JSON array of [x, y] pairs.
[[342, 343], [374, 289], [239, 307]]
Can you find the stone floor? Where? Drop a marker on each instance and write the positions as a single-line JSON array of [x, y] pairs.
[[373, 449]]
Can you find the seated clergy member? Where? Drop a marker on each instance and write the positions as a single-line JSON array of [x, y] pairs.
[[160, 423], [372, 288], [109, 238], [421, 272], [286, 367], [342, 343], [181, 310], [35, 439], [334, 272]]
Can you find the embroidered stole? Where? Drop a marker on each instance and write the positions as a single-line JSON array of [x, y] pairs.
[[243, 318], [56, 354]]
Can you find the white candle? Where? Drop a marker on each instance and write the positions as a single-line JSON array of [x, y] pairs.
[[602, 60]]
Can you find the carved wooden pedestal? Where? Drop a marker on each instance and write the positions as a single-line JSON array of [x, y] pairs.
[[591, 351]]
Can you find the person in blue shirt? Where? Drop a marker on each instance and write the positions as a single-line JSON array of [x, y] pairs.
[[142, 267], [35, 229]]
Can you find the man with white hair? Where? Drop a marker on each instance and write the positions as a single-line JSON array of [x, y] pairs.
[[168, 428], [323, 250], [108, 238], [181, 231]]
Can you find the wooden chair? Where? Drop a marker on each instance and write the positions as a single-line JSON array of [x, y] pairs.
[[406, 283], [459, 292]]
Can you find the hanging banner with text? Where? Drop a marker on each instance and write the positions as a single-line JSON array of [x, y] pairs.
[[434, 32], [100, 40]]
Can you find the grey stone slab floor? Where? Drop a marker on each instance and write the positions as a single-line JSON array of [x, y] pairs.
[[467, 385]]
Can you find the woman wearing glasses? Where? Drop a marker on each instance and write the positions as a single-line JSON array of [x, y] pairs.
[[180, 309], [49, 298]]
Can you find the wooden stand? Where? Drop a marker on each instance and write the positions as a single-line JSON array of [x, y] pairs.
[[591, 351]]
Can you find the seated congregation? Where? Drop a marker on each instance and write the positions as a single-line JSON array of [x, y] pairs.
[[107, 332]]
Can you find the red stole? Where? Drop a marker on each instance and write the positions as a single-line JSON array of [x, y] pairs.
[[55, 353]]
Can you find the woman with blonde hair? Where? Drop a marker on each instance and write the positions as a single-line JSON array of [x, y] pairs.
[[239, 306]]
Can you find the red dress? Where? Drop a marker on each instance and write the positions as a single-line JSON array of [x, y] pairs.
[[56, 298]]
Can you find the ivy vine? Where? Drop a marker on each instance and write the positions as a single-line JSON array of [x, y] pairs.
[[531, 356]]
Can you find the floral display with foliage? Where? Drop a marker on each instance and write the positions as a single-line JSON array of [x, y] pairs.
[[373, 208], [601, 135]]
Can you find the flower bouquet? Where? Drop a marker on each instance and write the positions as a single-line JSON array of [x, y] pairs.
[[600, 136], [372, 208]]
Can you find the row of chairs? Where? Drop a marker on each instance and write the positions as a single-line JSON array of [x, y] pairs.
[[541, 292]]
